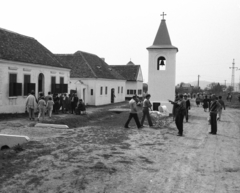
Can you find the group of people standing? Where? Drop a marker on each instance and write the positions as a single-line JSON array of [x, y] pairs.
[[181, 107], [53, 104]]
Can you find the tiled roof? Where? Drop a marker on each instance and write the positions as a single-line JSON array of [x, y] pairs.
[[129, 72], [86, 65], [21, 48]]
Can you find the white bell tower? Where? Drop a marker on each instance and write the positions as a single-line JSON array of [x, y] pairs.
[[162, 68]]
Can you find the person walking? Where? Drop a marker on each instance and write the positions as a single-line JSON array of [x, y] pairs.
[[49, 106], [146, 106], [198, 100], [214, 108], [133, 113], [222, 107], [180, 111], [42, 108], [31, 105], [205, 103], [188, 106], [174, 107]]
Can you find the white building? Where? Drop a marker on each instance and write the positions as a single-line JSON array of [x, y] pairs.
[[27, 65], [162, 68], [93, 79], [133, 74]]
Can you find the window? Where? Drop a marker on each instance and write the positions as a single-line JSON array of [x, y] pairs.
[[161, 63], [119, 89], [61, 80], [135, 91], [91, 91], [15, 89], [139, 92], [53, 82], [26, 82], [101, 89], [131, 91], [122, 89], [106, 90], [128, 91]]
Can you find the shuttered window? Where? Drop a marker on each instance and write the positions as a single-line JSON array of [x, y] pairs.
[[15, 89]]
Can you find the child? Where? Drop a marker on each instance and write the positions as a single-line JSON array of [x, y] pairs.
[[41, 107], [81, 108], [50, 104]]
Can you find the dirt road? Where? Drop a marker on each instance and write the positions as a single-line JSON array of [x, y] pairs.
[[100, 159]]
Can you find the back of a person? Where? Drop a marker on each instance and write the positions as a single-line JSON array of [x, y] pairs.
[[50, 104], [132, 105], [41, 103]]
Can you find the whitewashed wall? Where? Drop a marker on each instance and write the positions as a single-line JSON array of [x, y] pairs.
[[97, 99], [17, 104], [161, 84]]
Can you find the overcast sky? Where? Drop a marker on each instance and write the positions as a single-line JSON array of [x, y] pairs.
[[206, 32]]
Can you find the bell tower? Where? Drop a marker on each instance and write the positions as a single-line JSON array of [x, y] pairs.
[[162, 68]]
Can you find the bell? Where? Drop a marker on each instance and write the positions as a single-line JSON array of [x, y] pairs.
[[162, 63]]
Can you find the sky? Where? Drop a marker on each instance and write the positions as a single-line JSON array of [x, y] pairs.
[[206, 32]]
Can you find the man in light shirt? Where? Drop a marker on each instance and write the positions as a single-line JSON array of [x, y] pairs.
[[133, 113]]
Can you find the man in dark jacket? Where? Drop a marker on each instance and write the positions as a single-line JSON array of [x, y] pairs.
[[188, 106], [180, 112], [214, 108]]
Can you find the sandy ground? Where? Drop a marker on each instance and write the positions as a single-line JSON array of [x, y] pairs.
[[116, 160]]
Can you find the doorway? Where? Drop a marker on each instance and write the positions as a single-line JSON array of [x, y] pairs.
[[84, 95], [41, 83], [112, 95]]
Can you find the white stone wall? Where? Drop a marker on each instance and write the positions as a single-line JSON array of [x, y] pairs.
[[161, 84], [97, 99], [17, 104]]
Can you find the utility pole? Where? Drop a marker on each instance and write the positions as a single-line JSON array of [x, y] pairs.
[[198, 81], [233, 74]]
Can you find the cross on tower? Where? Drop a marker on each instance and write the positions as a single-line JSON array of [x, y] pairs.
[[163, 15]]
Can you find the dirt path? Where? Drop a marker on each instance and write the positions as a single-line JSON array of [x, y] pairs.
[[115, 160]]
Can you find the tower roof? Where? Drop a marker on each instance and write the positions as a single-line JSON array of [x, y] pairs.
[[162, 39], [130, 63]]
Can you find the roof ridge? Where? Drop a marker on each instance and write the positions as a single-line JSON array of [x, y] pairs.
[[87, 64], [63, 54], [16, 33], [86, 52]]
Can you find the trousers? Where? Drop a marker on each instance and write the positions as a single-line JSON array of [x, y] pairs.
[[135, 116], [146, 113], [213, 123], [179, 123]]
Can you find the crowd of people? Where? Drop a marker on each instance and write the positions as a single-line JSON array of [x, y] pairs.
[[181, 106], [53, 103]]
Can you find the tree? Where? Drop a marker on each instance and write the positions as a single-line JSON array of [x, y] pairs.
[[215, 88], [229, 88]]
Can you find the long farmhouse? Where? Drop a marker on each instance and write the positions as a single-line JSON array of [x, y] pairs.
[[27, 65], [93, 79]]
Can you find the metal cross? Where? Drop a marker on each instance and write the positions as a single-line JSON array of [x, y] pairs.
[[163, 15]]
